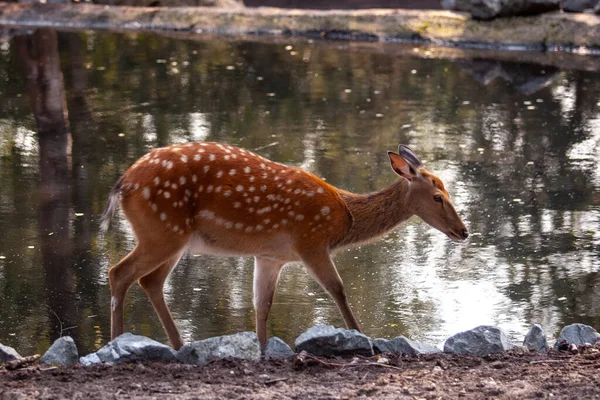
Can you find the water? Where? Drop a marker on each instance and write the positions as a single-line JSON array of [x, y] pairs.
[[516, 144]]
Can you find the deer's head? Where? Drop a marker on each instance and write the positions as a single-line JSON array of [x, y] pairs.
[[427, 195]]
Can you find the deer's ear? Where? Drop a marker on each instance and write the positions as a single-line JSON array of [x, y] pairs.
[[409, 155], [401, 166]]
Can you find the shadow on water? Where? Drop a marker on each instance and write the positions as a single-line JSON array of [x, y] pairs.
[[516, 143]]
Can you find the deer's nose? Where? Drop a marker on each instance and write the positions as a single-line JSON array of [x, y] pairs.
[[465, 233]]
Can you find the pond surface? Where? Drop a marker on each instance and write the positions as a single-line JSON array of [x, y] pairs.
[[516, 144]]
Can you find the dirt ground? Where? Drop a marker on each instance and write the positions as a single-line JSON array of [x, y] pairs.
[[511, 375]]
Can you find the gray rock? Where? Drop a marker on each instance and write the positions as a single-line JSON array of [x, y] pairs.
[[402, 345], [325, 340], [536, 339], [277, 349], [62, 352], [578, 5], [130, 348], [597, 8], [7, 353], [577, 334], [243, 345], [479, 341], [90, 359], [457, 5], [490, 9]]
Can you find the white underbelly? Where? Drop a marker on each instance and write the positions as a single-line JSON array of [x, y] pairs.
[[278, 246]]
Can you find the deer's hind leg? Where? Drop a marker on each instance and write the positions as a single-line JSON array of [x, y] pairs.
[[153, 285], [143, 260]]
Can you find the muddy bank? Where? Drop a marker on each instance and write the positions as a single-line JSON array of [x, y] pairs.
[[511, 375], [552, 31]]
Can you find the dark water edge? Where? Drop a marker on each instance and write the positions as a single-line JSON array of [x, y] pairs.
[[515, 142]]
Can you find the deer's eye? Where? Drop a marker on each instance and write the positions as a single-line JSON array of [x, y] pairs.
[[437, 198]]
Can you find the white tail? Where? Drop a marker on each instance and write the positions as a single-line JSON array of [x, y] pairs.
[[218, 199]]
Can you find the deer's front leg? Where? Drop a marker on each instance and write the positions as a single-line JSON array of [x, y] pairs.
[[266, 275], [321, 266]]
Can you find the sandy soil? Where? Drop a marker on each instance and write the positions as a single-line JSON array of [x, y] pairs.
[[512, 375]]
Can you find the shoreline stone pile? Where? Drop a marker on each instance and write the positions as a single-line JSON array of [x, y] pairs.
[[321, 341], [491, 9]]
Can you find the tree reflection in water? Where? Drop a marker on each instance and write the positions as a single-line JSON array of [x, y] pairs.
[[516, 142]]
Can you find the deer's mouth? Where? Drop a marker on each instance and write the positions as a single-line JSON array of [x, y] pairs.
[[455, 235]]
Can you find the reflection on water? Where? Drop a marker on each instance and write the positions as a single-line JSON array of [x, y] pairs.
[[516, 144]]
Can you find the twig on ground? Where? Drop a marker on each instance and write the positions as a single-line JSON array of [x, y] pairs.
[[275, 380], [303, 356], [20, 362], [546, 361]]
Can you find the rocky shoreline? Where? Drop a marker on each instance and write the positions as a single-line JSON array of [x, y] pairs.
[[319, 341], [555, 31]]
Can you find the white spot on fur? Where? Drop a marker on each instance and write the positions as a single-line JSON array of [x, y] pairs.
[[325, 210], [163, 216], [239, 188], [207, 214], [182, 180], [146, 193], [247, 170], [167, 195]]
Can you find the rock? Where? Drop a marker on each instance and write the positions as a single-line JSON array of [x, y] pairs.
[[578, 5], [490, 9], [7, 353], [325, 340], [90, 359], [130, 348], [479, 341], [457, 5], [577, 334], [277, 349], [228, 4], [597, 8], [243, 346], [402, 345], [62, 352], [536, 339]]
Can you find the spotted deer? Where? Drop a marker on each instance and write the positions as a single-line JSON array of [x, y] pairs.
[[218, 199]]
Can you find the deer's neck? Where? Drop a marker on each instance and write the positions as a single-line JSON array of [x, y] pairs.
[[376, 213]]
